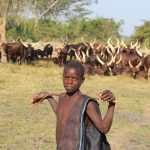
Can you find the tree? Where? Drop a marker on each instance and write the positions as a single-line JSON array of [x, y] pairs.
[[54, 8], [34, 8], [100, 28], [142, 33], [8, 8]]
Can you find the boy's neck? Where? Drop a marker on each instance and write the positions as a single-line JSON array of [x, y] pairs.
[[73, 93]]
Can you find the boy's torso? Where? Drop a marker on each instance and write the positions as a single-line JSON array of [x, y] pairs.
[[65, 106]]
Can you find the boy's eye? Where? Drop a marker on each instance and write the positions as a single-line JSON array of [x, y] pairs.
[[74, 78]]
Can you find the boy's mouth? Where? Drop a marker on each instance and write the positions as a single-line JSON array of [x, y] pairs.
[[68, 87]]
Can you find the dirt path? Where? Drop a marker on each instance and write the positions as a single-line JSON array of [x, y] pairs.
[[117, 139]]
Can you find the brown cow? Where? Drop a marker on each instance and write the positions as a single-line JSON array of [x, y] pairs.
[[14, 51]]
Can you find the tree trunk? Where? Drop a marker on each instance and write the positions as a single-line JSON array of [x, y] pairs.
[[2, 38]]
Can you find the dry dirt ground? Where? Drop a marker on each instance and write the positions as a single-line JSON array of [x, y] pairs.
[[117, 138]]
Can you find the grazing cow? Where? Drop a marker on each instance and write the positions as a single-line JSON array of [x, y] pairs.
[[62, 55], [30, 54], [14, 51], [105, 64], [48, 50], [88, 69], [147, 62], [39, 53], [141, 74], [138, 71], [69, 49], [96, 47]]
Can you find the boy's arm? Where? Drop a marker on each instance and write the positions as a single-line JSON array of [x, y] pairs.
[[94, 114], [53, 104], [39, 97]]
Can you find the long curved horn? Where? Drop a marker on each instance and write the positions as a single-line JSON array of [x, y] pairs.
[[122, 42], [117, 62], [130, 63], [65, 41], [69, 50], [117, 51], [139, 64], [98, 47], [110, 70], [99, 60], [84, 42], [111, 61], [138, 46], [138, 52], [79, 48], [117, 45], [87, 52], [91, 46], [114, 58], [92, 43], [26, 45], [83, 54], [110, 45], [107, 49], [133, 46], [77, 56], [146, 48], [58, 50]]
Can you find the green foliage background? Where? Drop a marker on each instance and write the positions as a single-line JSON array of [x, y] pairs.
[[99, 28], [142, 33]]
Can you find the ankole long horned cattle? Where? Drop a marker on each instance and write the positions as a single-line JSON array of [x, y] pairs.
[[15, 52], [69, 50]]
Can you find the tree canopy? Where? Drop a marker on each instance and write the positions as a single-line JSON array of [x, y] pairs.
[[142, 33], [49, 29]]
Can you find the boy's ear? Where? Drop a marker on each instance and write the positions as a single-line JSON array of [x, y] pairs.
[[83, 79]]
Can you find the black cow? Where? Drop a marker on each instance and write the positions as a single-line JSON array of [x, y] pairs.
[[39, 53], [30, 54], [48, 50]]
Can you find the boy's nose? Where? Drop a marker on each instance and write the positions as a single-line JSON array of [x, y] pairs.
[[70, 80]]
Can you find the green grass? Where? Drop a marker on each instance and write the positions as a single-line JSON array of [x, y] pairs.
[[23, 127]]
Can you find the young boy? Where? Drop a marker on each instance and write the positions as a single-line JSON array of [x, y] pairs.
[[79, 122]]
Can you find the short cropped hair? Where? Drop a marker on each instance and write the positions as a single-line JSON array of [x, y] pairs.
[[75, 65]]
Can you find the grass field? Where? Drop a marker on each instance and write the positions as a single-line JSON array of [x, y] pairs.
[[23, 127]]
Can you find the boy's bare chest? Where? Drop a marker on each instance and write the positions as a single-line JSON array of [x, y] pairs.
[[64, 110]]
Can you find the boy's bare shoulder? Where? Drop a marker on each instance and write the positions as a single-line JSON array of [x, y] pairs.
[[62, 95]]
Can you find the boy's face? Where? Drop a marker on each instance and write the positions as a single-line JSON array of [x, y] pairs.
[[72, 80]]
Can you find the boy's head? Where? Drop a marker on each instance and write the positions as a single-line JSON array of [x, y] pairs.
[[75, 65], [73, 76]]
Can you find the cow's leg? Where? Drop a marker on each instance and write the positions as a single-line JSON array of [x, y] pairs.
[[19, 60], [9, 58]]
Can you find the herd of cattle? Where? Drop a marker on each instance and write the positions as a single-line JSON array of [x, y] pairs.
[[108, 59]]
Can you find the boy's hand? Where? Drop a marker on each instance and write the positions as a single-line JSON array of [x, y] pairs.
[[39, 97], [107, 96]]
